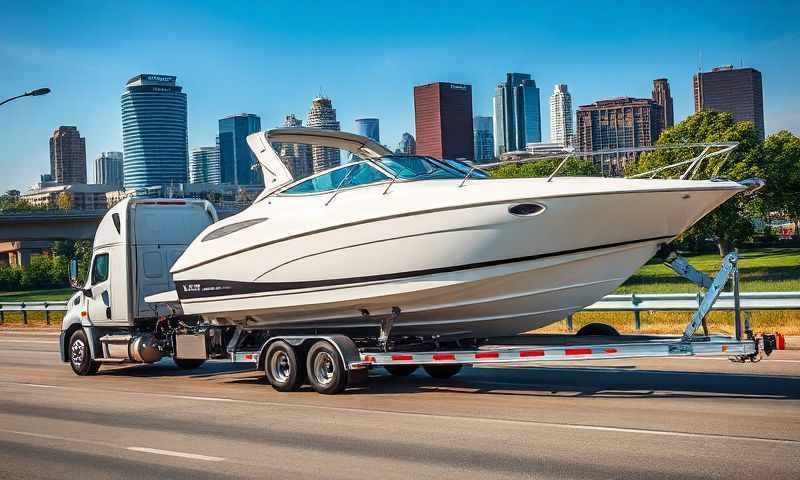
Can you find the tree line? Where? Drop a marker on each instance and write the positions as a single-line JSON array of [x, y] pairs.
[[48, 271]]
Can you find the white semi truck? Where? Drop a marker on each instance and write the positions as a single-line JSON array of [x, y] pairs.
[[109, 321]]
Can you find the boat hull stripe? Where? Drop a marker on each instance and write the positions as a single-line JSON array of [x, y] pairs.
[[207, 288]]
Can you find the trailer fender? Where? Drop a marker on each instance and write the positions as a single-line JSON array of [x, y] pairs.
[[342, 343]]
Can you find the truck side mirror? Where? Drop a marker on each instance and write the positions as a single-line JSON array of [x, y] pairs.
[[73, 274]]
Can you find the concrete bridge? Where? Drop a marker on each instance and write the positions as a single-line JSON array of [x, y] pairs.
[[50, 225]]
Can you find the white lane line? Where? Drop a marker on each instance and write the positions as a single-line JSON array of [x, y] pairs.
[[32, 334], [460, 418], [171, 453], [156, 451], [44, 342], [39, 385]]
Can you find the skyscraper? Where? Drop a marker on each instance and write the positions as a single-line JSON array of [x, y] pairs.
[[517, 113], [561, 131], [443, 118], [323, 115], [616, 124], [369, 127], [483, 139], [407, 145], [68, 156], [235, 157], [296, 156], [154, 137], [734, 90], [108, 169], [662, 97], [204, 165]]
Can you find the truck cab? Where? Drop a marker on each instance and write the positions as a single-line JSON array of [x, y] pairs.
[[136, 243]]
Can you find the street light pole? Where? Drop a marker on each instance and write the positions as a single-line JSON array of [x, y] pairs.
[[32, 93]]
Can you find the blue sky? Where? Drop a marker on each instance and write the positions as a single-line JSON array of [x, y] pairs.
[[272, 58]]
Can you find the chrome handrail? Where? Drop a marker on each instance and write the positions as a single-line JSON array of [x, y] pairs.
[[338, 187]]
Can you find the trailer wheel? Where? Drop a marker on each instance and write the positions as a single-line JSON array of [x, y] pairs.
[[597, 329], [188, 363], [442, 371], [326, 371], [283, 368], [80, 356], [401, 370]]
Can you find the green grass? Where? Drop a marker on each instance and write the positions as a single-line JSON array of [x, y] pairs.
[[61, 294], [762, 270]]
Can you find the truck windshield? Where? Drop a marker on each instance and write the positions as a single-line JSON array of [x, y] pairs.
[[424, 168]]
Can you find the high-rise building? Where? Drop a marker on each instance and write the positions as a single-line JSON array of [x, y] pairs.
[[154, 137], [443, 118], [662, 97], [323, 115], [517, 113], [235, 157], [68, 156], [734, 90], [296, 156], [483, 139], [369, 127], [108, 169], [561, 131], [617, 124], [407, 145], [204, 166]]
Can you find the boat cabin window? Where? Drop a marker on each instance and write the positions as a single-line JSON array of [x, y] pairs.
[[424, 168], [352, 175]]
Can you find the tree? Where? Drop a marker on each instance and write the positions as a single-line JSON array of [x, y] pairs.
[[730, 223], [575, 167], [781, 153], [64, 201]]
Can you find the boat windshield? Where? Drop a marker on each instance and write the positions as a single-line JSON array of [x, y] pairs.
[[423, 168]]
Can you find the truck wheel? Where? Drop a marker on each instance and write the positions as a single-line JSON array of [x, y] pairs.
[[188, 363], [283, 368], [326, 371], [401, 370], [442, 371], [597, 329], [80, 356]]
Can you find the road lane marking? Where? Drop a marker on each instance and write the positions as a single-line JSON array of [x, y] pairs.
[[460, 418], [171, 453], [44, 342]]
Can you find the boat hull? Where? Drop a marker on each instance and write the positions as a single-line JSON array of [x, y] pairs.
[[468, 270]]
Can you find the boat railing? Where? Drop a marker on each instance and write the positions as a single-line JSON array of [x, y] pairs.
[[707, 151]]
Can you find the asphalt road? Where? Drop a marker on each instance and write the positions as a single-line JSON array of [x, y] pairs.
[[646, 418]]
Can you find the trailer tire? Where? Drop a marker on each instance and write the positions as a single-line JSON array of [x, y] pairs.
[[442, 371], [401, 370], [325, 368], [597, 329], [283, 367], [188, 363], [80, 355]]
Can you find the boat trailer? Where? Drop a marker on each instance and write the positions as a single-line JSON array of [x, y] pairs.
[[743, 346]]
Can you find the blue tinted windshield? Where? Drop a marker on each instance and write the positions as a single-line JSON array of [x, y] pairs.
[[423, 168]]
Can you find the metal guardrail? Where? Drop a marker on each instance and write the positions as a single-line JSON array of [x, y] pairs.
[[634, 302], [25, 307]]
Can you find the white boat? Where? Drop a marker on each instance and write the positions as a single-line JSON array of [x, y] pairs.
[[437, 246]]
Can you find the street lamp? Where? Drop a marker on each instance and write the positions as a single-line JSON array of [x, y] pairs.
[[32, 93]]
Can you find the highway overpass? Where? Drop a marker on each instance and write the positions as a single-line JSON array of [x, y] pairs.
[[57, 224]]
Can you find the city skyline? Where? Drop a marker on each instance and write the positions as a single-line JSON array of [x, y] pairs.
[[37, 51]]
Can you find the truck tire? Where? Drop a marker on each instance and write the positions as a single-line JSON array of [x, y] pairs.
[[325, 369], [401, 370], [80, 355], [283, 367], [188, 363], [597, 329], [442, 371]]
